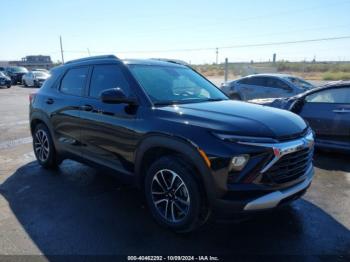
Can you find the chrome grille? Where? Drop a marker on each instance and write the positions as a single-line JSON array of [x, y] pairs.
[[290, 166]]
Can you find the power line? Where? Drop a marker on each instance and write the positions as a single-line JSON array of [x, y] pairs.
[[288, 42], [243, 19], [222, 47]]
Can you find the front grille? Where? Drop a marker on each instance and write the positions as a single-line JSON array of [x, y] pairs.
[[290, 167]]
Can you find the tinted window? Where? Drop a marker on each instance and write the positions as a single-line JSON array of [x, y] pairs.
[[276, 83], [74, 81], [338, 95], [244, 81], [106, 77], [300, 83], [18, 69], [258, 81]]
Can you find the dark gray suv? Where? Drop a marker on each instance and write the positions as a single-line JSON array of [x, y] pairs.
[[265, 86]]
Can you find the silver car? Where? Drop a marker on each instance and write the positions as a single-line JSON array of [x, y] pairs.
[[265, 86], [34, 78]]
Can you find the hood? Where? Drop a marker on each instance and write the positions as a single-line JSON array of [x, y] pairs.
[[42, 77], [234, 117], [281, 103]]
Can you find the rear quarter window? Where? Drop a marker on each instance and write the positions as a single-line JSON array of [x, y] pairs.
[[52, 80]]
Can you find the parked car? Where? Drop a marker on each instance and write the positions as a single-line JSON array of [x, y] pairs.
[[326, 109], [177, 136], [265, 86], [16, 73], [34, 78], [2, 69], [5, 80]]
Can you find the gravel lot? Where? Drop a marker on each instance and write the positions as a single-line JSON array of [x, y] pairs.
[[80, 210]]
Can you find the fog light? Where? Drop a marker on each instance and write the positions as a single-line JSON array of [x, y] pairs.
[[239, 162]]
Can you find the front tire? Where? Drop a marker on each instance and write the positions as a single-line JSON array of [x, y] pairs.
[[235, 97], [173, 195], [43, 146], [8, 86]]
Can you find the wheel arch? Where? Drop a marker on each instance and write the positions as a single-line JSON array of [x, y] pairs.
[[37, 118], [235, 90], [154, 146]]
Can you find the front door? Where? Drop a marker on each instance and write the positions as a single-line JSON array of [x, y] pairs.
[[107, 129]]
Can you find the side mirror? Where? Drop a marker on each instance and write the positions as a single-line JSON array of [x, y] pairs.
[[116, 96]]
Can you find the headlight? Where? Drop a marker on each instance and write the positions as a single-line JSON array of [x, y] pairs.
[[245, 139], [238, 162]]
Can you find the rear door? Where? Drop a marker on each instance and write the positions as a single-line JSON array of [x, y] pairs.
[[328, 112], [65, 109], [107, 129]]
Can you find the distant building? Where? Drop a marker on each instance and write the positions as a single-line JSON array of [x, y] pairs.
[[4, 63], [34, 61]]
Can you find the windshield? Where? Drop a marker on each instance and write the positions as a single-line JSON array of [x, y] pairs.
[[18, 70], [40, 74], [301, 83], [171, 85]]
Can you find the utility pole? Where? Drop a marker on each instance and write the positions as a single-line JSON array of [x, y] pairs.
[[274, 58], [217, 55], [61, 49], [89, 51], [226, 69]]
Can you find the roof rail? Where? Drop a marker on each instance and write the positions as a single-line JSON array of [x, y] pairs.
[[91, 58], [174, 61]]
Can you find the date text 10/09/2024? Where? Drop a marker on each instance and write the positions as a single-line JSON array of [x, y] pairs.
[[173, 258]]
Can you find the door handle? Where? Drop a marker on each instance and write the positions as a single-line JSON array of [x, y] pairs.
[[50, 101], [343, 110], [86, 108]]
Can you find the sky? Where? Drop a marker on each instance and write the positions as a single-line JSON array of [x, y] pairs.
[[188, 30]]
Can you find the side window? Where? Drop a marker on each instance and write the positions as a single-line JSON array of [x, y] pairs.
[[258, 81], [74, 80], [106, 77], [276, 83], [244, 81], [334, 96]]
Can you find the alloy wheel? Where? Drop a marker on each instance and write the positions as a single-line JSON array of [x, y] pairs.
[[170, 195], [41, 145]]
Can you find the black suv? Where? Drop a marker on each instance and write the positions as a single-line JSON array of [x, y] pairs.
[[16, 73], [190, 148]]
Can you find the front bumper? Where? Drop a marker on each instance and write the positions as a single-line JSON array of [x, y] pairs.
[[266, 201], [39, 82], [5, 82], [273, 199], [283, 178]]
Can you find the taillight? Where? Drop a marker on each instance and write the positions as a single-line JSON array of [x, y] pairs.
[[31, 97]]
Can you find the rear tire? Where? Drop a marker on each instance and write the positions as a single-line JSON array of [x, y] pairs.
[[173, 195], [44, 148], [8, 86]]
